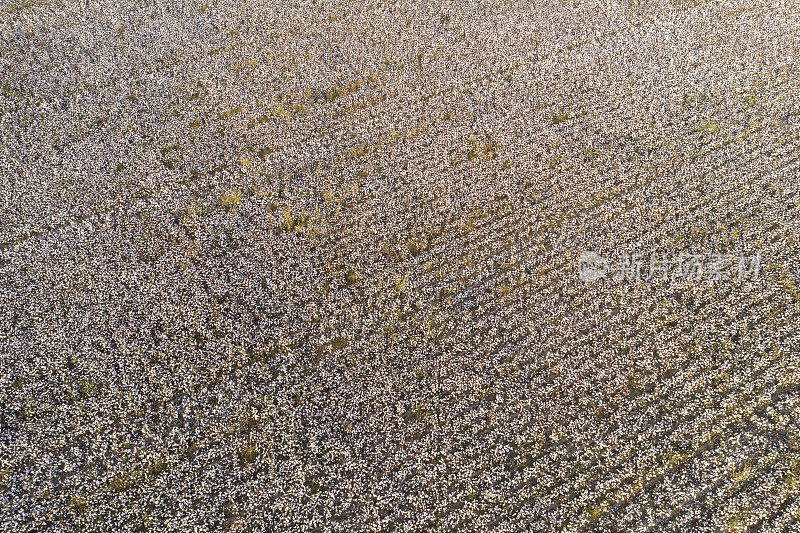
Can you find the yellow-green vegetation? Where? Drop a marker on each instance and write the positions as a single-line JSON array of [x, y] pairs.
[[248, 455], [342, 90], [77, 504], [416, 414], [351, 277], [292, 221], [228, 113], [87, 389], [127, 480], [598, 511], [401, 283], [708, 126], [158, 467], [792, 478], [231, 200], [313, 486], [339, 343]]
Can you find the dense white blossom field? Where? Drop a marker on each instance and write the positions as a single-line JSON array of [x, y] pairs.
[[314, 265]]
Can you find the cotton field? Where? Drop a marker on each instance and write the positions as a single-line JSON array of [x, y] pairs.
[[400, 266]]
